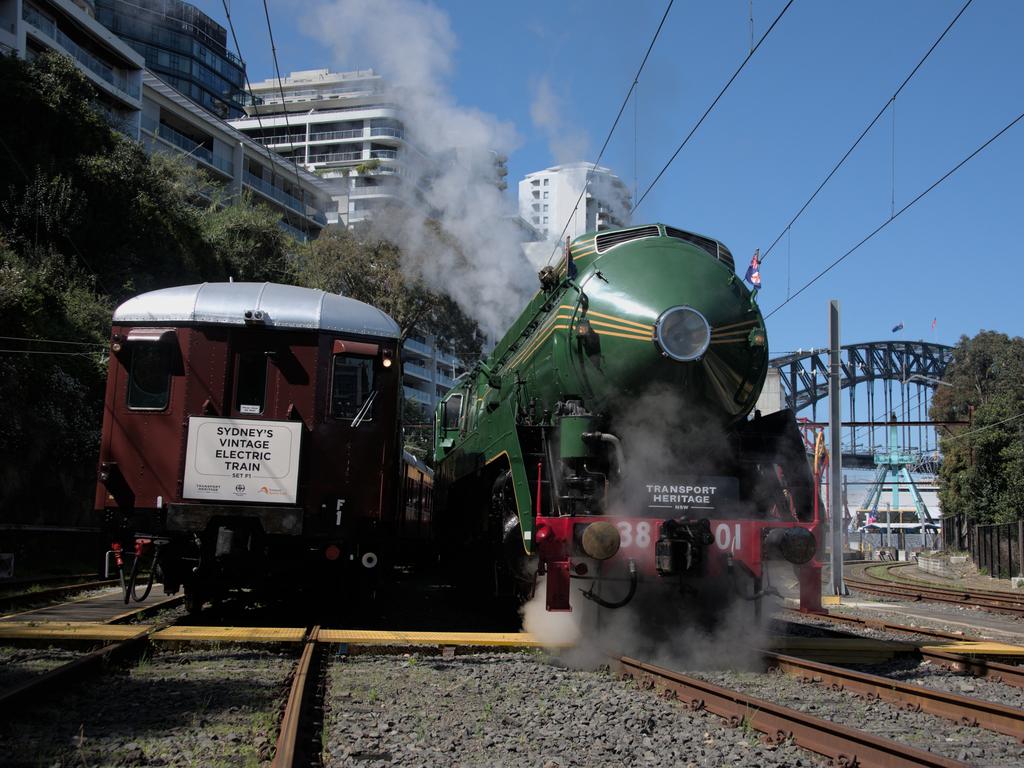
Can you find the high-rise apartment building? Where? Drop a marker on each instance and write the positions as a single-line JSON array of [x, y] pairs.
[[175, 124], [182, 46], [547, 199], [146, 109], [343, 126], [30, 27]]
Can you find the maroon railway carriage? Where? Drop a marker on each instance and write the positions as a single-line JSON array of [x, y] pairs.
[[253, 432]]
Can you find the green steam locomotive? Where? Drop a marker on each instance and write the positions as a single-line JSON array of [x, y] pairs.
[[608, 437]]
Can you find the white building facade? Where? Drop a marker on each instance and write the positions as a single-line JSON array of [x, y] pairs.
[[342, 126], [547, 199]]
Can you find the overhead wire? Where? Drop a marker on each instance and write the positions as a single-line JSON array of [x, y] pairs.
[[950, 438], [611, 131], [46, 352], [898, 213], [717, 98], [53, 341], [252, 97], [284, 107], [869, 126]]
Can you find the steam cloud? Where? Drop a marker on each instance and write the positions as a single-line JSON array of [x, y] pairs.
[[665, 438], [567, 142], [478, 260]]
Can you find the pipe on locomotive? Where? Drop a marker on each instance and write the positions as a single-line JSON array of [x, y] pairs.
[[616, 444]]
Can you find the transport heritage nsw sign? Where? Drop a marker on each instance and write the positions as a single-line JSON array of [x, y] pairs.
[[242, 460], [702, 495]]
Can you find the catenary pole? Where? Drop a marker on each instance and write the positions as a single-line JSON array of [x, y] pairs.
[[835, 506]]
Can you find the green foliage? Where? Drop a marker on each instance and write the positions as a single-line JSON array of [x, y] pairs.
[[982, 472], [87, 219], [369, 269], [418, 426]]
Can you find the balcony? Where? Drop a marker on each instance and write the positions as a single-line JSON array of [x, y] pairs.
[[336, 157], [295, 232], [104, 71], [419, 372], [444, 381], [384, 154], [419, 347], [447, 358], [416, 395], [392, 133], [335, 135], [309, 94], [292, 138], [278, 194]]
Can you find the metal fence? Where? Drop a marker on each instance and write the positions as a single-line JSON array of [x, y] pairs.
[[996, 549]]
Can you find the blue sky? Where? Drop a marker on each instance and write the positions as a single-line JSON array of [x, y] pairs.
[[817, 80]]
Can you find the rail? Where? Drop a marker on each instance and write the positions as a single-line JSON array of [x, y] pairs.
[[845, 746], [290, 747], [984, 599], [1011, 674], [961, 709]]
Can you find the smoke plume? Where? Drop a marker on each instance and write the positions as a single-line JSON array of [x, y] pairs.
[[477, 258], [568, 143], [666, 438]]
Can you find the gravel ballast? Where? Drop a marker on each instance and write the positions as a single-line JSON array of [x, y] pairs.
[[519, 710], [974, 746], [202, 707]]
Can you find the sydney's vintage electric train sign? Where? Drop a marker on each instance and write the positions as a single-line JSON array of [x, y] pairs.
[[242, 460]]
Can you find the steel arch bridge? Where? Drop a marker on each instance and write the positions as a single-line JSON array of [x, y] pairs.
[[870, 371]]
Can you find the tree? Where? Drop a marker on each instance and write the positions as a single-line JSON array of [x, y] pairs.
[[88, 219], [982, 473], [369, 268], [417, 426]]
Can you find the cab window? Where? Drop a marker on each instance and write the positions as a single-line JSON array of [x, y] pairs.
[[352, 387], [452, 411], [251, 382], [149, 377]]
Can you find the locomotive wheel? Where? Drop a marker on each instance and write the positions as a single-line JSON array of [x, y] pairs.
[[515, 571]]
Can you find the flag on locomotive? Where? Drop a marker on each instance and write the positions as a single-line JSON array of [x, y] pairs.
[[753, 275]]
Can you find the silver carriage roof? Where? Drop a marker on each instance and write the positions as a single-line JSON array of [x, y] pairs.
[[283, 306]]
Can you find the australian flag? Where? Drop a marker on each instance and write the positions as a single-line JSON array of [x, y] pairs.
[[753, 275], [898, 327]]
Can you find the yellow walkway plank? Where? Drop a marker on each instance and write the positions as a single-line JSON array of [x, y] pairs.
[[966, 648], [478, 639], [64, 630], [232, 634]]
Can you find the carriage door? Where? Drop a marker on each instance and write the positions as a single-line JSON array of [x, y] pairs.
[[252, 379]]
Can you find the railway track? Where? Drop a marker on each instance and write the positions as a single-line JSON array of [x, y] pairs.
[[68, 674], [844, 746], [990, 600], [297, 742], [960, 709], [1011, 674]]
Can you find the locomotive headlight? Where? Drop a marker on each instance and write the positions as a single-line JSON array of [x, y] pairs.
[[682, 333]]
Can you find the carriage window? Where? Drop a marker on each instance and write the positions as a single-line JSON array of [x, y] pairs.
[[452, 411], [149, 379], [251, 382], [352, 387]]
